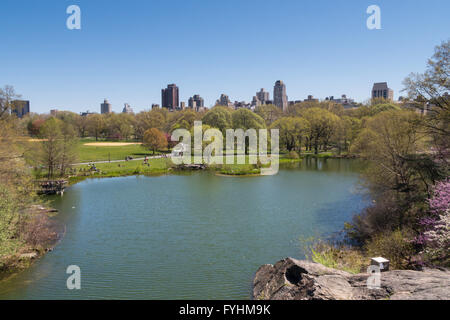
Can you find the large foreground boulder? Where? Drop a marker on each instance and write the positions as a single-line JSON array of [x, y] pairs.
[[292, 279]]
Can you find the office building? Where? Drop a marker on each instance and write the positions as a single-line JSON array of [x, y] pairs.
[[381, 90], [105, 107], [224, 100], [263, 96], [311, 99], [170, 97], [196, 102], [280, 98]]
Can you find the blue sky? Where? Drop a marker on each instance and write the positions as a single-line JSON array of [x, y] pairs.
[[127, 51]]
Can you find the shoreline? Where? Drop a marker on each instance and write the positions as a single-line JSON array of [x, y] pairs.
[[23, 261], [27, 254]]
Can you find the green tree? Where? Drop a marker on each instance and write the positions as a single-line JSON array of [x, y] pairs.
[[69, 151], [52, 148], [218, 117], [322, 125], [149, 119], [95, 125], [245, 119], [391, 140], [269, 112], [431, 90], [288, 137]]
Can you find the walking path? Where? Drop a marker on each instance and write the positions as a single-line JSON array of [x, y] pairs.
[[115, 161]]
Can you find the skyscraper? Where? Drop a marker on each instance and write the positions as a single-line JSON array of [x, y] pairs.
[[105, 107], [170, 97], [263, 96], [196, 102], [381, 90], [224, 100], [280, 98]]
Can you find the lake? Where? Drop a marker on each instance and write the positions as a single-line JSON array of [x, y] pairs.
[[193, 236]]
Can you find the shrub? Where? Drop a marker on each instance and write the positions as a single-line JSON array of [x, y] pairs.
[[338, 257], [436, 225], [392, 245], [38, 230], [382, 216], [293, 155]]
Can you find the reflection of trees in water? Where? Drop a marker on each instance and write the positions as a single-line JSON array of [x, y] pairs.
[[326, 165]]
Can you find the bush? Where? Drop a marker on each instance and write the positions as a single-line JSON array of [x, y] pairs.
[[338, 257], [385, 214], [394, 246], [293, 155]]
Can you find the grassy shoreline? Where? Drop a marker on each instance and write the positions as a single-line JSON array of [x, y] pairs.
[[160, 166]]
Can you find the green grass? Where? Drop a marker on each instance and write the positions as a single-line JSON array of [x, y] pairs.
[[133, 167], [157, 166], [93, 153]]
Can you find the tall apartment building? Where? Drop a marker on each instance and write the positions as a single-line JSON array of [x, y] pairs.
[[170, 97], [224, 100], [196, 102], [381, 90], [263, 96], [280, 98], [20, 107], [105, 107]]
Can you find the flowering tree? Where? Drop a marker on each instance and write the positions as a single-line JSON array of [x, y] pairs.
[[436, 237]]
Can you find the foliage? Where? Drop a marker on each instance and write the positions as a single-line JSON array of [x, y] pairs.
[[435, 237], [337, 256], [269, 112], [293, 155], [394, 246], [17, 196], [154, 139], [391, 140], [245, 119], [218, 117], [322, 124], [430, 91]]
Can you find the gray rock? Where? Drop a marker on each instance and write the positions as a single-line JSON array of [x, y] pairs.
[[30, 255], [292, 279]]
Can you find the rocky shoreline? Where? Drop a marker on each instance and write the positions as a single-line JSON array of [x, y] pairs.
[[28, 253], [291, 279]]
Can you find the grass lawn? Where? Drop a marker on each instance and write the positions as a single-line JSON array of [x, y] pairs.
[[105, 153], [124, 168]]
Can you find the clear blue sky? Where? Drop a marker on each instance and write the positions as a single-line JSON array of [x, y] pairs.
[[128, 50]]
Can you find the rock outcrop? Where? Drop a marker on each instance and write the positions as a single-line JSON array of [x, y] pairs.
[[292, 279]]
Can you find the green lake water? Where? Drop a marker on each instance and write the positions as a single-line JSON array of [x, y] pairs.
[[195, 236]]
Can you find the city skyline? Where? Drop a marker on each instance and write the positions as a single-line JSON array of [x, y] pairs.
[[125, 54], [170, 100]]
